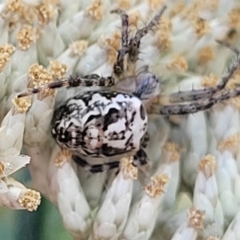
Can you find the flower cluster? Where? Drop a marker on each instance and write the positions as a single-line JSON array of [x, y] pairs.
[[192, 190]]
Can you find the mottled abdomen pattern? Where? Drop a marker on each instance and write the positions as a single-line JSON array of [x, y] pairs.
[[100, 124]]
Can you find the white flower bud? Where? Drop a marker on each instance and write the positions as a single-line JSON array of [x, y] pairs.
[[113, 213]]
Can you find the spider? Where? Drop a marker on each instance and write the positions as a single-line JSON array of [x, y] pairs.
[[100, 127]]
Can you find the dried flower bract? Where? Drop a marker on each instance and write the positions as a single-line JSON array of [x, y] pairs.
[[5, 53], [195, 218], [26, 37], [95, 10], [205, 55], [128, 170], [156, 187], [178, 63], [174, 150], [208, 166], [30, 200], [22, 104], [58, 70], [62, 157], [231, 144], [78, 48]]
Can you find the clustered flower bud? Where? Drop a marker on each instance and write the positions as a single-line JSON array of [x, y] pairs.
[[190, 189]]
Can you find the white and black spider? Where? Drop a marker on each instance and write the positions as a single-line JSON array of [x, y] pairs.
[[102, 126]]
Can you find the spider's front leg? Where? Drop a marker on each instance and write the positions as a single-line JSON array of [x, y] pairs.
[[86, 81], [131, 47], [205, 98], [194, 95], [134, 42], [193, 107], [118, 67]]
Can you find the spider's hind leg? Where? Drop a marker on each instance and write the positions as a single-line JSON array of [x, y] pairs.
[[96, 168], [140, 158]]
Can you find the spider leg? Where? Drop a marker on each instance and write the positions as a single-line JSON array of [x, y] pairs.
[[229, 45], [193, 107], [118, 67], [96, 168], [125, 25], [140, 158], [134, 42], [195, 95], [86, 81]]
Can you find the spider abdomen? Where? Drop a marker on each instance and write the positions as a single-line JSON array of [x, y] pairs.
[[100, 124]]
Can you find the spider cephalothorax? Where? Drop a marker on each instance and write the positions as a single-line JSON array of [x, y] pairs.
[[108, 124]]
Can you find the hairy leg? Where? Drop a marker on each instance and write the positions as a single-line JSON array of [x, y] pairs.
[[193, 107], [140, 159], [96, 168], [134, 42], [118, 67], [86, 81], [194, 95]]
